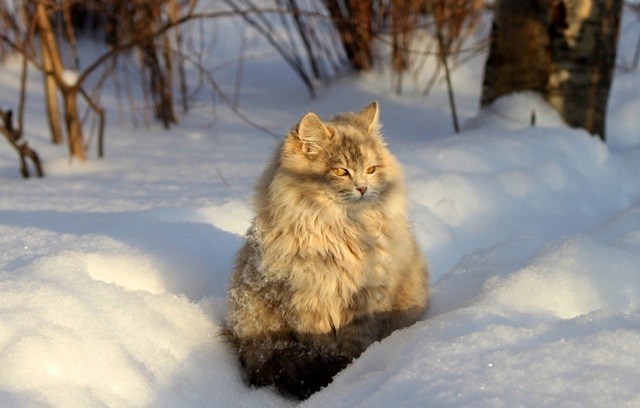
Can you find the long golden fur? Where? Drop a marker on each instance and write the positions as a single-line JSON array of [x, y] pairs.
[[330, 264]]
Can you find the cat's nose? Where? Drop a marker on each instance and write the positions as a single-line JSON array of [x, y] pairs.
[[362, 190]]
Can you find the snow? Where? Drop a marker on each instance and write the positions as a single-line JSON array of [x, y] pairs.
[[70, 78], [113, 272]]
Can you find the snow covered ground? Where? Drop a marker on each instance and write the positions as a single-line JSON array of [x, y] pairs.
[[113, 272]]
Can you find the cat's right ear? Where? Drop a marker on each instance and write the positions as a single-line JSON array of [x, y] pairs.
[[312, 133]]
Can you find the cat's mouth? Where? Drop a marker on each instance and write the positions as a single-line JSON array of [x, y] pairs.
[[360, 197]]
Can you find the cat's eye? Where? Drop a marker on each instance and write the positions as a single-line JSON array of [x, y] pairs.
[[340, 172], [371, 169]]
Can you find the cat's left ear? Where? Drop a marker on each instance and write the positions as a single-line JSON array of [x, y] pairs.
[[370, 116]]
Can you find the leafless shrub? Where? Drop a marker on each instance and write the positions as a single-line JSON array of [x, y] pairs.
[[300, 31], [455, 21], [14, 135], [396, 22], [319, 39]]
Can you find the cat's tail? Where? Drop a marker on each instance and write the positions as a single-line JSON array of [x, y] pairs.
[[298, 369]]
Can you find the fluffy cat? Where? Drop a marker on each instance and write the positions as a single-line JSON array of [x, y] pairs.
[[330, 264]]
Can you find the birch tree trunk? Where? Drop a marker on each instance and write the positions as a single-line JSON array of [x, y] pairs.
[[563, 49]]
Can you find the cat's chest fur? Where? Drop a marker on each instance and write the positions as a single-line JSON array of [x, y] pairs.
[[347, 242], [337, 268]]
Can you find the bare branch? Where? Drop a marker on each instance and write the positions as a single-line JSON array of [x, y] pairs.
[[13, 136], [225, 98]]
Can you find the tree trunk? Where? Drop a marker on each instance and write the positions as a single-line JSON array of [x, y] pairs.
[[51, 98], [352, 19], [74, 126], [402, 26], [53, 66], [161, 94], [563, 49], [160, 79], [174, 13]]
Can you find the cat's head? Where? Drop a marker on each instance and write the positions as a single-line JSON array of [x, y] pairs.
[[343, 159]]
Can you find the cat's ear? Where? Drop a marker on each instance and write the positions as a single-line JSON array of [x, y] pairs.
[[312, 133], [370, 115]]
